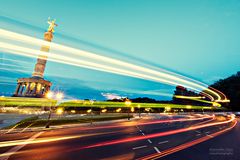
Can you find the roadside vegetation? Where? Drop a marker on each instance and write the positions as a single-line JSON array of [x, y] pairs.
[[37, 122]]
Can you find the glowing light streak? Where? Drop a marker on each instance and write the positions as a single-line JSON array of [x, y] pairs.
[[45, 140], [189, 97], [14, 60], [72, 61], [186, 145], [173, 78], [137, 138]]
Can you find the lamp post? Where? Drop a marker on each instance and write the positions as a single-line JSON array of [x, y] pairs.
[[139, 112], [59, 97], [91, 111], [128, 104]]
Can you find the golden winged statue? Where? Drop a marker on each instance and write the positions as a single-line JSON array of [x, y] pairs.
[[52, 24]]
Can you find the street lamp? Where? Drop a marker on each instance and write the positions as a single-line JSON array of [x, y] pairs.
[[139, 112], [59, 111], [128, 104], [104, 110], [59, 96], [118, 110], [90, 111], [49, 94]]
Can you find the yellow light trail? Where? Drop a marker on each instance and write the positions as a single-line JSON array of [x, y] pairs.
[[173, 79], [46, 140], [189, 97], [200, 99]]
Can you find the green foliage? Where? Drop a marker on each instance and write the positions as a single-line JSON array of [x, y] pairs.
[[35, 122], [231, 88], [26, 102], [107, 104]]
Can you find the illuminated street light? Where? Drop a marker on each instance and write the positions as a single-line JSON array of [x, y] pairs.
[[132, 109], [59, 111], [139, 111], [89, 111], [167, 108], [128, 104], [104, 110], [49, 94], [59, 96], [118, 110], [73, 111], [147, 109]]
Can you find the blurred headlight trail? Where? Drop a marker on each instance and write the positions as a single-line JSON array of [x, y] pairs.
[[185, 145], [148, 123], [98, 62], [45, 140], [137, 138]]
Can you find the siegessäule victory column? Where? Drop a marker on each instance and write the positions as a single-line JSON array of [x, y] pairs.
[[37, 86]]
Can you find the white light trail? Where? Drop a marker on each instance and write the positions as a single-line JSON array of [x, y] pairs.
[[109, 64]]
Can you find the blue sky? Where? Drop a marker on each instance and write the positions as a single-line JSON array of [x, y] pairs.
[[199, 39]]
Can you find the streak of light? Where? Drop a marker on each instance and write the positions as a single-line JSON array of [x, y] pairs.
[[173, 78], [148, 123], [62, 59], [139, 124], [186, 145], [11, 69], [46, 140], [104, 110], [10, 84], [220, 93], [7, 79], [118, 110], [137, 138], [189, 97], [199, 98], [14, 60], [12, 65], [27, 127], [81, 63]]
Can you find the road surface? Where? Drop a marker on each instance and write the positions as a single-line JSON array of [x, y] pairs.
[[152, 137]]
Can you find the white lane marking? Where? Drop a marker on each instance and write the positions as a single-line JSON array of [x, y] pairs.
[[139, 147], [143, 133], [17, 148], [162, 142], [149, 141], [140, 130], [198, 131], [156, 149], [207, 132], [198, 134]]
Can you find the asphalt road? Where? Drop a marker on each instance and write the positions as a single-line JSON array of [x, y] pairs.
[[222, 147], [134, 139]]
